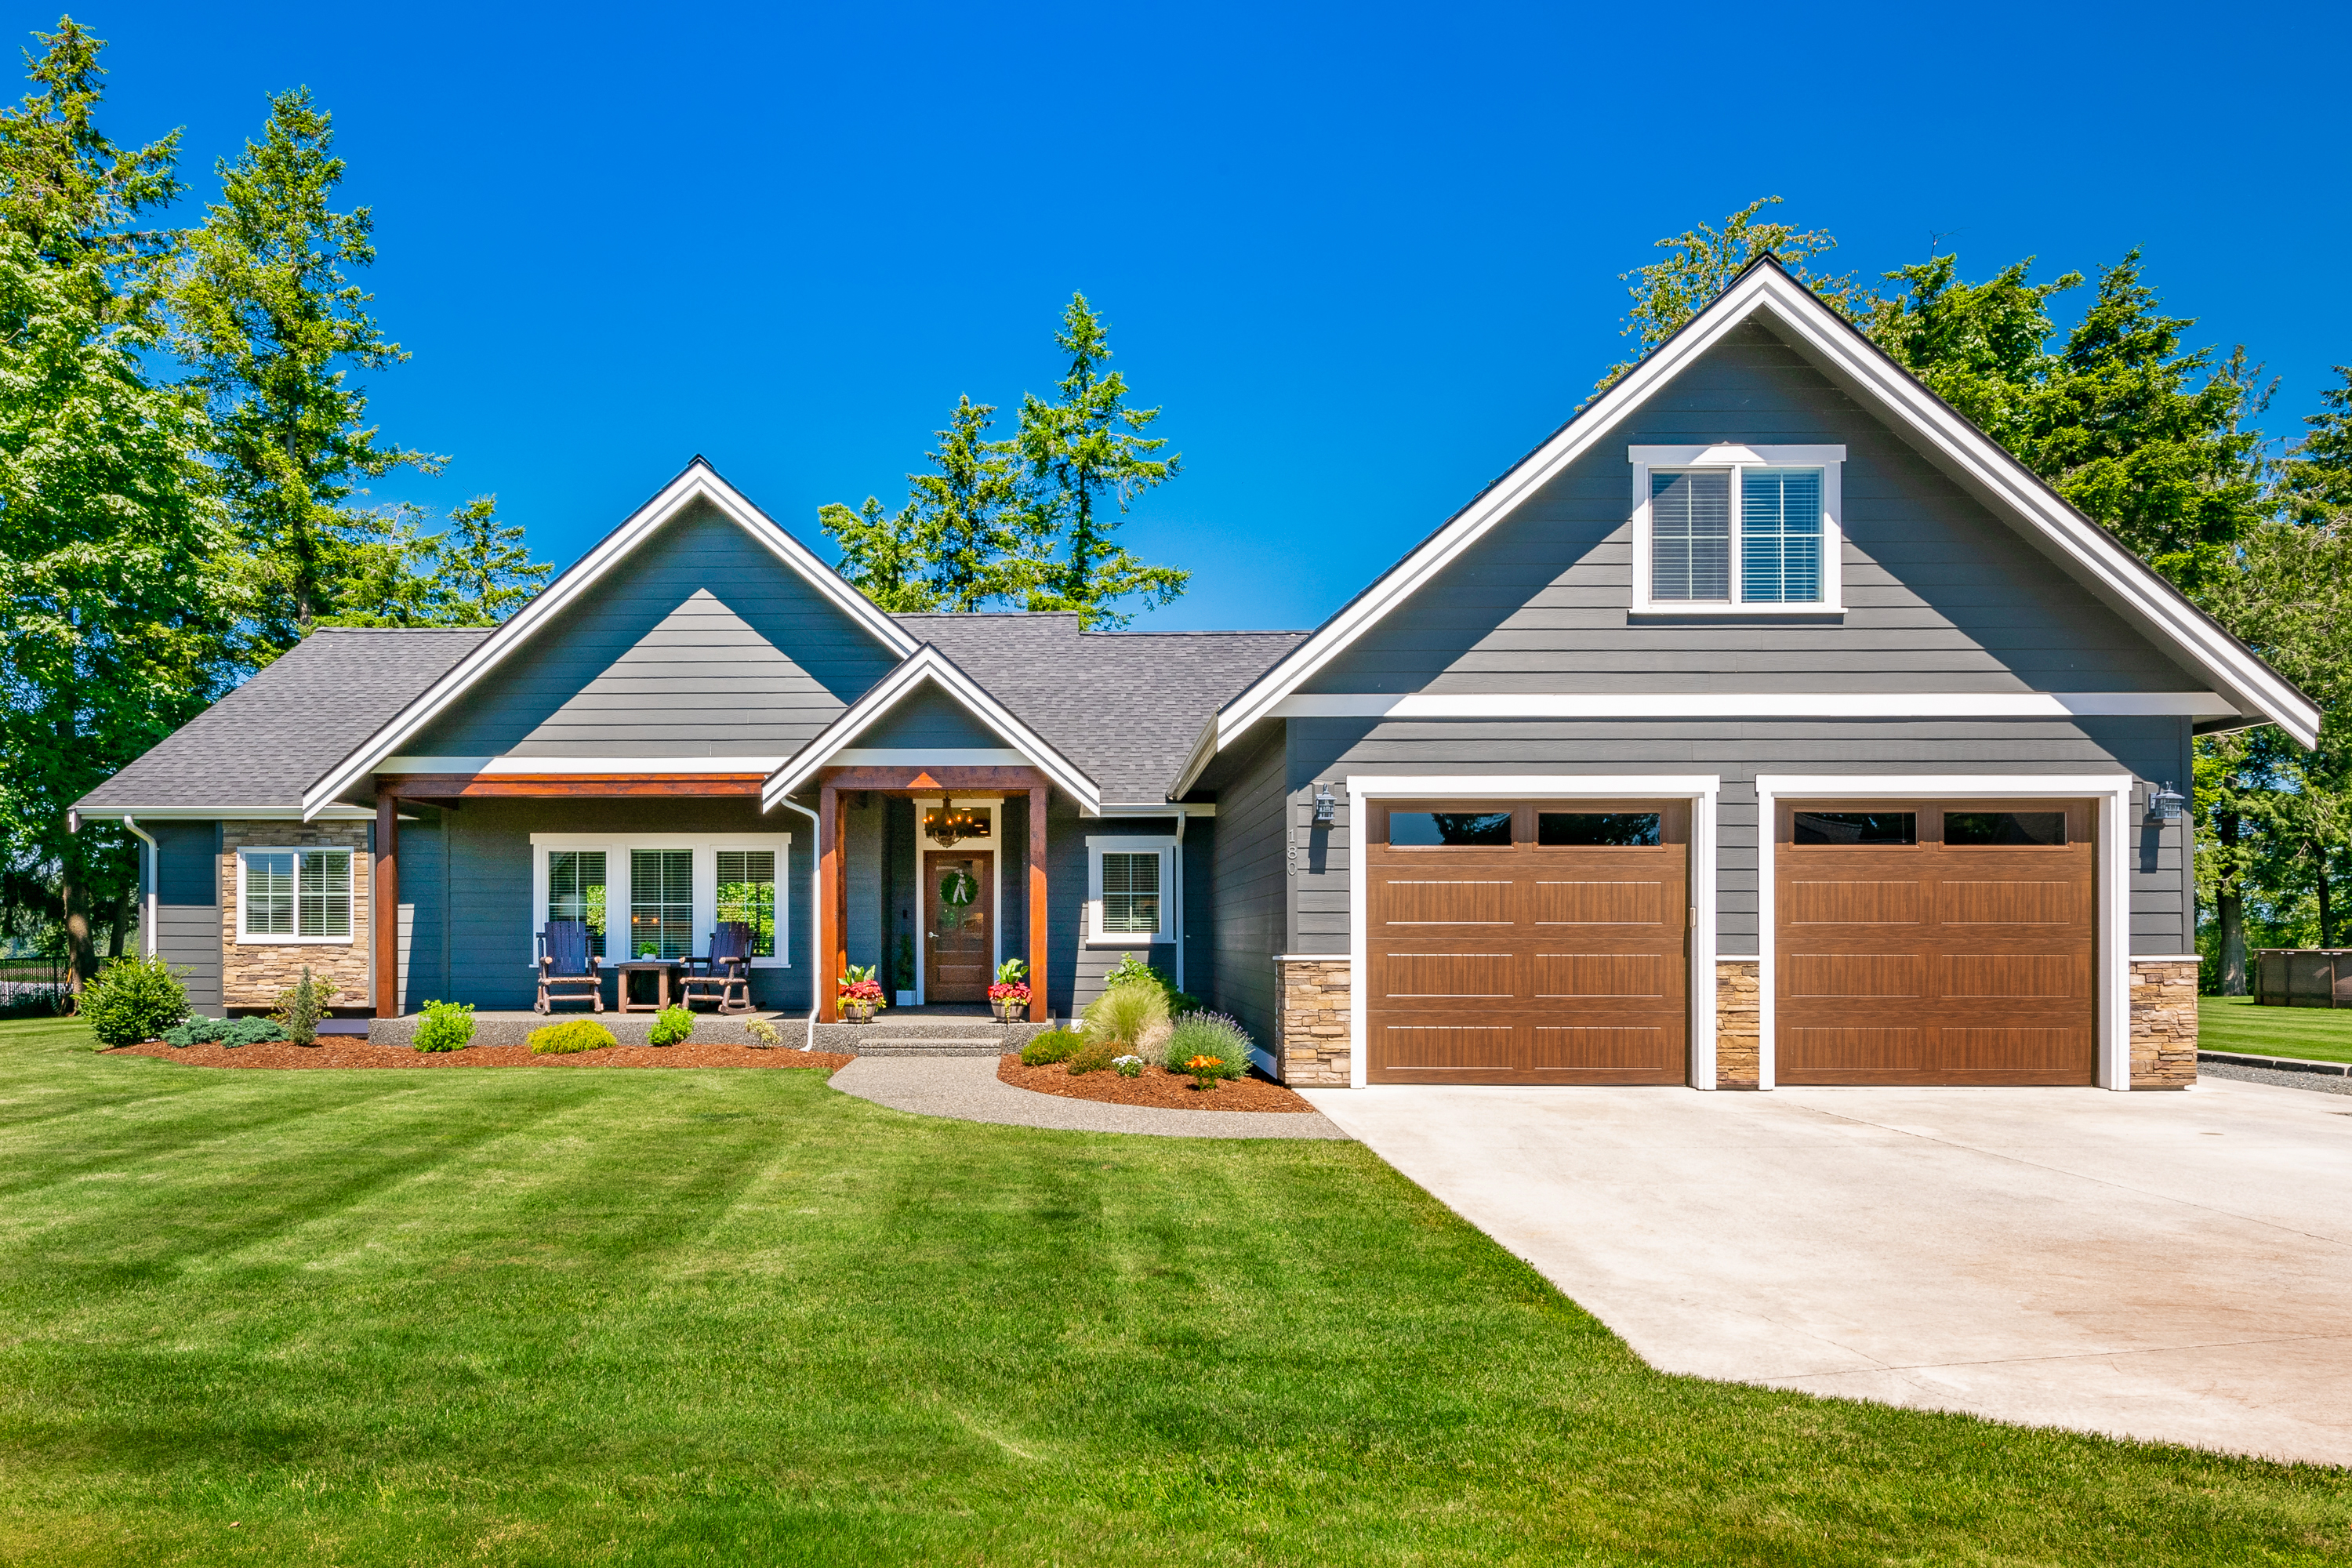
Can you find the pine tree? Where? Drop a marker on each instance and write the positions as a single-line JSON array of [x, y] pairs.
[[886, 556], [271, 329], [1088, 458]]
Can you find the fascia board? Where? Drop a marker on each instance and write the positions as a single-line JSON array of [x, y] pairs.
[[2082, 545], [1205, 751], [930, 664], [698, 482]]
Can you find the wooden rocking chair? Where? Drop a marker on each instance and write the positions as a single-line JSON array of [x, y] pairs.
[[725, 977], [566, 966]]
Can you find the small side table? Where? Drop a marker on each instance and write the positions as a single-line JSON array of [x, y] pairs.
[[658, 967]]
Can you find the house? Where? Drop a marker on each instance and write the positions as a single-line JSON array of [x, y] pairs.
[[1766, 725]]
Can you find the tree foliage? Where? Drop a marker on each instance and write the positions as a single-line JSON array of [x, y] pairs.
[[1026, 521]]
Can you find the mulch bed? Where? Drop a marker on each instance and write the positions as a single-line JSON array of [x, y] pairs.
[[349, 1051], [1155, 1086]]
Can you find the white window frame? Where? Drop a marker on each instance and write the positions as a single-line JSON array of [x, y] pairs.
[[1734, 457], [1171, 890], [351, 896], [706, 847]]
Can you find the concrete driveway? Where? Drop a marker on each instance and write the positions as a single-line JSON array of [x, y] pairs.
[[2173, 1266]]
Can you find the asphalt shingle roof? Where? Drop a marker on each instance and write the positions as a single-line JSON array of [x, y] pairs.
[[1126, 707], [270, 739]]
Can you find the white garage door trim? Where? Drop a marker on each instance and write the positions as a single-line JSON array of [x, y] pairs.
[[2112, 791], [1699, 789]]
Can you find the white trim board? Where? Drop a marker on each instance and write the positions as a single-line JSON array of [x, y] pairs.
[[1734, 458], [1749, 705], [699, 483], [1171, 895], [928, 663], [561, 767], [2080, 545], [2112, 876], [1699, 789]]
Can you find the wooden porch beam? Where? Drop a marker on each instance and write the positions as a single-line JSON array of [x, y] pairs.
[[384, 890], [1038, 922], [563, 786], [831, 894], [933, 781]]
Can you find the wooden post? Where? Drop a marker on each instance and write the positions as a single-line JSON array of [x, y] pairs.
[[823, 950], [384, 887], [1037, 924]]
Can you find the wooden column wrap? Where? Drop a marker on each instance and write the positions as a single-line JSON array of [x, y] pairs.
[[384, 885], [1037, 922], [832, 892]]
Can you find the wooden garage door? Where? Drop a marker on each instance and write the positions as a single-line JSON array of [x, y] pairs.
[[1528, 942], [1949, 943]]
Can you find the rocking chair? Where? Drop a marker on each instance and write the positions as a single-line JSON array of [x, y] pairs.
[[724, 977], [567, 970]]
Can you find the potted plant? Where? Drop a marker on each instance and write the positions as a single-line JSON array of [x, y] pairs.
[[1010, 995], [861, 994]]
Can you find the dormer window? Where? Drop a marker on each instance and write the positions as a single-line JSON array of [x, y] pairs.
[[1736, 529]]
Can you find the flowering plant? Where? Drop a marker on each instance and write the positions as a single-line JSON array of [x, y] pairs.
[[858, 985], [1016, 991], [1129, 1066], [1206, 1071]]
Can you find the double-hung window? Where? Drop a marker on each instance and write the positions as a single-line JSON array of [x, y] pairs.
[[294, 895], [1736, 529]]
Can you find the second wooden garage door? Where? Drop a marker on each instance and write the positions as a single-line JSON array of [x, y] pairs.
[[1529, 943], [1949, 942]]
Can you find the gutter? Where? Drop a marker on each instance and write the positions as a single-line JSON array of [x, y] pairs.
[[816, 919], [149, 873]]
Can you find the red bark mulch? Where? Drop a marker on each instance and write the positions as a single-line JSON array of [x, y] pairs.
[[350, 1052], [1155, 1086]]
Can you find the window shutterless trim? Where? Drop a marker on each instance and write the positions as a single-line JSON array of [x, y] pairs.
[[1171, 890], [618, 907], [349, 897], [1734, 459]]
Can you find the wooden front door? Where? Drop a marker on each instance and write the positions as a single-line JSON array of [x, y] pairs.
[[1541, 941], [958, 932], [1934, 942]]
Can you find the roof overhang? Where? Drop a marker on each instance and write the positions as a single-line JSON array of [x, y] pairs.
[[699, 484], [928, 664], [2080, 546]]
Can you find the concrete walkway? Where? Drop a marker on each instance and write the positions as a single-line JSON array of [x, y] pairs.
[[2176, 1267], [968, 1089]]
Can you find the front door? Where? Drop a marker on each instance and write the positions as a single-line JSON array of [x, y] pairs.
[[959, 947]]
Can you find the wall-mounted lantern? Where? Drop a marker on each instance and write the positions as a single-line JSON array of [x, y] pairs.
[[2166, 805], [1327, 810]]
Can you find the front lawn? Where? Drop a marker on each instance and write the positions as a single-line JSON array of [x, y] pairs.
[[603, 1315], [2235, 1024]]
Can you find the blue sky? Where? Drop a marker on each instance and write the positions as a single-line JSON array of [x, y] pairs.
[[1364, 256]]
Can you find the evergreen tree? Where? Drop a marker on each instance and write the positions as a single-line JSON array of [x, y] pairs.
[[967, 511], [109, 617], [271, 328], [481, 568], [886, 556], [1088, 455]]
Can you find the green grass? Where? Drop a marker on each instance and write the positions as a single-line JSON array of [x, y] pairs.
[[2235, 1024], [600, 1316]]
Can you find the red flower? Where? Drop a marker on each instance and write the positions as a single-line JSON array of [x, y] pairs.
[[1014, 992]]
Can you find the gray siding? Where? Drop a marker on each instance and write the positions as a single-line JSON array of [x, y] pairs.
[[1079, 965], [927, 717], [2155, 750], [428, 941], [1940, 594], [862, 826], [702, 643], [187, 908], [491, 922], [1249, 920]]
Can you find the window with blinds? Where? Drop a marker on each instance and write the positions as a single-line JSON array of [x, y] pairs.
[[1780, 536], [747, 893], [661, 903], [575, 891], [1130, 893], [1690, 535], [297, 893]]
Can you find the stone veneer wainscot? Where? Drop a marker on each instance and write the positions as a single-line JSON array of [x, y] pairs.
[[2163, 1023], [1312, 1051], [1739, 1023], [253, 972]]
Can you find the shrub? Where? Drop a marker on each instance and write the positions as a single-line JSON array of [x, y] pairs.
[[1125, 1014], [229, 1033], [445, 1026], [1052, 1046], [1208, 1035], [1093, 1057], [1129, 1066], [571, 1035], [672, 1024], [1131, 970], [764, 1034], [133, 999], [301, 1006]]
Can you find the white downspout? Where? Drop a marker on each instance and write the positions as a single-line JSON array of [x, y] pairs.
[[149, 873], [1176, 899], [816, 920]]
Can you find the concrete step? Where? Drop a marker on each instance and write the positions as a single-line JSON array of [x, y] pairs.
[[932, 1048], [887, 1035]]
